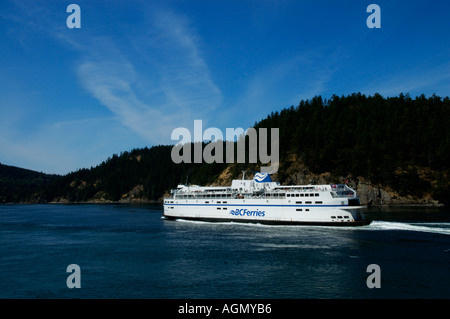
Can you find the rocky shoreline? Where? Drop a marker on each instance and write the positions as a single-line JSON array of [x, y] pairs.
[[370, 194]]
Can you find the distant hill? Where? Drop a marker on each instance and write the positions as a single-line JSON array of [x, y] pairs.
[[139, 175], [23, 185], [392, 150], [399, 143]]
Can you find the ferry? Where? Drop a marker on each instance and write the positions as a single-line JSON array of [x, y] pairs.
[[260, 200]]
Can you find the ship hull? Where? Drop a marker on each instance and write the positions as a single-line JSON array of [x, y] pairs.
[[272, 222], [272, 212]]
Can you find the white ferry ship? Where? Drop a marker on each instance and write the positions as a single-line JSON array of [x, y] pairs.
[[262, 201]]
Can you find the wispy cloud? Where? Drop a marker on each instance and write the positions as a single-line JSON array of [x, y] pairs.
[[111, 79], [186, 78], [286, 81], [172, 47], [152, 80], [417, 80], [62, 146], [180, 89]]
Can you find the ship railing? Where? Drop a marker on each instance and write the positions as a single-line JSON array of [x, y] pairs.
[[205, 195], [341, 191], [303, 189]]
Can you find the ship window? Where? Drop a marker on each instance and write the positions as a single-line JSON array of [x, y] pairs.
[[339, 216], [317, 194], [307, 209], [224, 208], [206, 202], [299, 209], [308, 202], [288, 195], [218, 202], [224, 202], [318, 202], [301, 195], [298, 202], [306, 195], [219, 208], [333, 217], [346, 217]]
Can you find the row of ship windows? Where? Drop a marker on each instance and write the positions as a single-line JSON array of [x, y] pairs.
[[303, 195], [199, 196], [206, 196], [298, 210], [297, 202], [309, 202]]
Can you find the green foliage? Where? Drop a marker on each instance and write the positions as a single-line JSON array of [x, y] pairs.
[[383, 139], [369, 136], [152, 168], [18, 184]]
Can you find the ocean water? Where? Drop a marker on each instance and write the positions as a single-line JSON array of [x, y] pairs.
[[126, 251]]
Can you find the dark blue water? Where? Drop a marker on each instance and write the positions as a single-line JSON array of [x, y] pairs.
[[130, 252]]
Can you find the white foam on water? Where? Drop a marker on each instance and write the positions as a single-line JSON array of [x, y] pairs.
[[437, 228]]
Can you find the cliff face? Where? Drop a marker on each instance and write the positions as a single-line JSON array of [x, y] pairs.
[[370, 194], [377, 195], [295, 172]]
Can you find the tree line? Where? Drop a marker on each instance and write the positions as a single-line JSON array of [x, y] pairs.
[[400, 142]]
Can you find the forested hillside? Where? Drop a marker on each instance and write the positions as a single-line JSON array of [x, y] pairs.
[[151, 169], [400, 143], [22, 185]]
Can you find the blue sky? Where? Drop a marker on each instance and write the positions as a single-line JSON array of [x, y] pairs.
[[136, 70]]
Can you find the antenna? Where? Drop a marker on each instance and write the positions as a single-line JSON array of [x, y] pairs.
[[243, 175]]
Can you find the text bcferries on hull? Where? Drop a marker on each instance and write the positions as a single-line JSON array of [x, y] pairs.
[[262, 201]]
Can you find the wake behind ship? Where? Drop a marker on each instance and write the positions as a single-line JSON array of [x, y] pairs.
[[262, 201]]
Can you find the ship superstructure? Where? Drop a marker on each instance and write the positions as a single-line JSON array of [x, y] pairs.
[[262, 201]]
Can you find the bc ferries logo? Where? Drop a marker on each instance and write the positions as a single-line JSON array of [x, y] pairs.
[[262, 178], [246, 212]]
